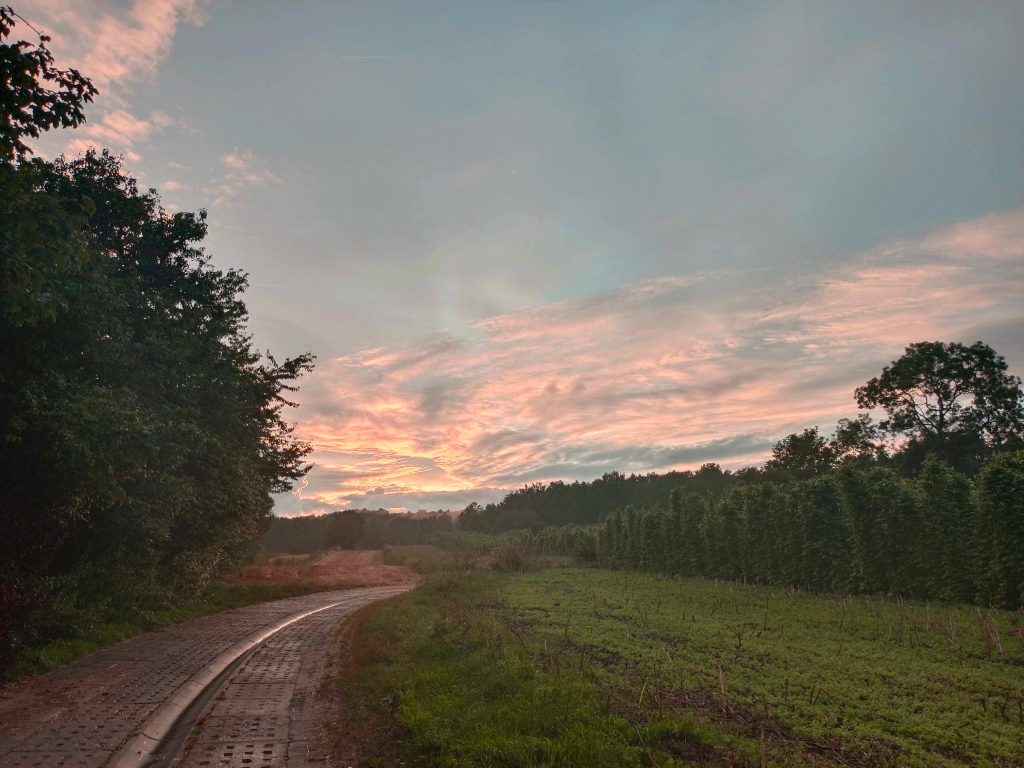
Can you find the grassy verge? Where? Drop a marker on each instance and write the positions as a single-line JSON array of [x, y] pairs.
[[435, 683], [594, 668], [216, 598]]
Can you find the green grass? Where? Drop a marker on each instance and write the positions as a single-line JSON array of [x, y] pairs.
[[422, 558], [461, 541], [218, 597], [463, 696], [538, 668]]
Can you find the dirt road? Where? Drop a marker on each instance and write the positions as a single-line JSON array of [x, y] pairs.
[[135, 703], [355, 567]]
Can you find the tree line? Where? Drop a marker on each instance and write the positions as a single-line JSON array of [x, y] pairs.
[[938, 535], [141, 433], [353, 529], [948, 400], [928, 502]]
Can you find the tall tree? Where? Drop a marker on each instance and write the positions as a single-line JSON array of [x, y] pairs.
[[948, 532], [825, 538], [802, 455], [141, 434], [948, 396]]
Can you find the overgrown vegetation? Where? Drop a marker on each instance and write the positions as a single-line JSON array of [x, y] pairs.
[[434, 683], [593, 667]]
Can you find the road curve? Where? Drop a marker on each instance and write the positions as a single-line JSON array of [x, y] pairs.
[[248, 673]]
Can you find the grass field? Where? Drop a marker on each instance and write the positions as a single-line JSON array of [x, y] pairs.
[[574, 667]]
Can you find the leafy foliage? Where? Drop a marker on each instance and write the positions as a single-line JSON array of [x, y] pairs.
[[28, 103], [141, 434], [857, 529], [949, 396]]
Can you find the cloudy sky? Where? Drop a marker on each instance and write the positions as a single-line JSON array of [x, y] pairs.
[[532, 240]]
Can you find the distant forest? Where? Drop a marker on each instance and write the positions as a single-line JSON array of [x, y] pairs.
[[353, 528]]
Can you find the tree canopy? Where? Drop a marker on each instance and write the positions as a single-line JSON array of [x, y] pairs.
[[36, 95], [940, 390], [141, 433]]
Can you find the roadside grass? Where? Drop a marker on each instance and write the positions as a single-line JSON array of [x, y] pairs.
[[426, 680], [585, 667], [422, 558], [468, 541], [221, 596]]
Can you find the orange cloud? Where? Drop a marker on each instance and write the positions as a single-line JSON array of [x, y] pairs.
[[659, 374]]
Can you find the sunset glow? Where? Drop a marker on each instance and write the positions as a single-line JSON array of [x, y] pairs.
[[539, 241], [662, 374]]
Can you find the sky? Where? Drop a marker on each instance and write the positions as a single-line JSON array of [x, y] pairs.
[[532, 240]]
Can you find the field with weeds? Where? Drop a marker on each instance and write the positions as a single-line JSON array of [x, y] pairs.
[[586, 667]]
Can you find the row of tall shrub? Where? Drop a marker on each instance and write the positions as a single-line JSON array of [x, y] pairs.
[[938, 535]]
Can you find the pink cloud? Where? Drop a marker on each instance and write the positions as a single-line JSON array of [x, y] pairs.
[[115, 47], [656, 375], [241, 171]]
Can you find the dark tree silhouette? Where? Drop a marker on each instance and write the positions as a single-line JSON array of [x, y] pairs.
[[36, 96], [141, 434], [937, 391], [343, 529]]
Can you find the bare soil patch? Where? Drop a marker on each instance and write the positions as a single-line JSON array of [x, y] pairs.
[[339, 567]]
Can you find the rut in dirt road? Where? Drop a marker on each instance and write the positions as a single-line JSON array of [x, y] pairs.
[[95, 711]]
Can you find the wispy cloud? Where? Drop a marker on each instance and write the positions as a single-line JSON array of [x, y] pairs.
[[658, 374], [121, 131], [116, 47], [114, 44], [241, 170]]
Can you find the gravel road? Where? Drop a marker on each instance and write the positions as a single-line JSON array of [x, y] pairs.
[[262, 712]]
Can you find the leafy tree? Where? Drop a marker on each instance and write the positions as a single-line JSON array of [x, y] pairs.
[[692, 547], [825, 537], [869, 550], [947, 394], [36, 96], [949, 530], [885, 521], [612, 544], [141, 434], [652, 537], [471, 518], [633, 550], [802, 455], [728, 556], [857, 439]]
